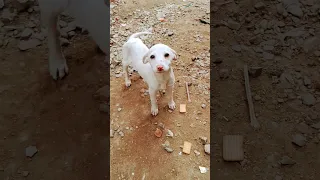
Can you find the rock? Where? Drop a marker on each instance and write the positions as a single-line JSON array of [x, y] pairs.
[[8, 16], [197, 153], [22, 5], [168, 149], [316, 126], [40, 36], [31, 151], [25, 173], [259, 5], [224, 73], [203, 140], [257, 98], [26, 33], [293, 7], [28, 44], [64, 42], [233, 24], [169, 133], [255, 71], [102, 93], [217, 60], [303, 128], [207, 148], [267, 56], [280, 8], [310, 44], [121, 133], [236, 48], [203, 106], [308, 99], [286, 161], [170, 33], [111, 133], [299, 140], [306, 81], [158, 133]]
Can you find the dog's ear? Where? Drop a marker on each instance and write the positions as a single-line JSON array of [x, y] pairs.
[[175, 54], [145, 58]]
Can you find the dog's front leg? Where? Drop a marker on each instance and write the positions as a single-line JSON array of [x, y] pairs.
[[153, 99], [57, 63], [171, 103]]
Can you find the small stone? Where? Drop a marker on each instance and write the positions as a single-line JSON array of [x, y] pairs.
[[268, 56], [25, 173], [168, 149], [217, 60], [255, 71], [28, 44], [306, 81], [197, 153], [111, 133], [308, 99], [316, 126], [203, 169], [299, 140], [170, 33], [233, 24], [186, 147], [286, 161], [161, 126], [183, 108], [31, 151], [158, 133], [169, 133], [259, 5], [203, 106], [64, 41], [207, 148], [203, 140], [119, 109], [121, 133], [26, 33], [236, 48]]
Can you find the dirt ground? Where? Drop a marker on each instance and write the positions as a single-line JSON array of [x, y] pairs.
[[138, 153], [62, 119], [286, 95]]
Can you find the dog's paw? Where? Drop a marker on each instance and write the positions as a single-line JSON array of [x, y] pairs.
[[172, 105], [154, 111], [128, 83], [58, 68]]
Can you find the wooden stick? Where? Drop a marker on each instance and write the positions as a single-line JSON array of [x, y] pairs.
[[253, 119], [188, 92]]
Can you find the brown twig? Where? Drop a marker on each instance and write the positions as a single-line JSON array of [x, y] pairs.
[[188, 92], [253, 119]]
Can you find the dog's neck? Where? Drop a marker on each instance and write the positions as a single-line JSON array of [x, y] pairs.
[[163, 78]]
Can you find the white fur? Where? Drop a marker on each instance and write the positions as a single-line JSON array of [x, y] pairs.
[[93, 15], [135, 52]]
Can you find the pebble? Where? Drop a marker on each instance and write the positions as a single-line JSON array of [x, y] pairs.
[[287, 161], [207, 148], [111, 133], [158, 133], [31, 151], [308, 99], [203, 106], [119, 109], [259, 5], [168, 149], [26, 33], [121, 133], [25, 173], [203, 140], [169, 133], [28, 44], [233, 24], [299, 140], [197, 153]]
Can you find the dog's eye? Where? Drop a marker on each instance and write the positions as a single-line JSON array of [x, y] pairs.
[[152, 57], [166, 55]]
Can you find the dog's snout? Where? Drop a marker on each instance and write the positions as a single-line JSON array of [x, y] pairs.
[[160, 68]]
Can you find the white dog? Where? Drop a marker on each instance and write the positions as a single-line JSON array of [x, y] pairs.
[[153, 65], [93, 15]]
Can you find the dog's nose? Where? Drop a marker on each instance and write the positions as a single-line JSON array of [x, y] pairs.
[[160, 68]]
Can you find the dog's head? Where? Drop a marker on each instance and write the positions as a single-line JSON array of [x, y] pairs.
[[160, 56]]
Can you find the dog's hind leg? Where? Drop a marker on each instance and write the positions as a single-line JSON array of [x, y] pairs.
[[125, 66], [50, 11]]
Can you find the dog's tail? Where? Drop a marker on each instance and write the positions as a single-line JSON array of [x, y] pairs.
[[135, 35]]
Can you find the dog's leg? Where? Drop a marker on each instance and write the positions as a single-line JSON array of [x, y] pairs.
[[126, 74], [171, 103], [57, 63], [153, 99]]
